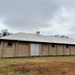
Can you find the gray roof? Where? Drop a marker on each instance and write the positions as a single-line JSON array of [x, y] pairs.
[[38, 38]]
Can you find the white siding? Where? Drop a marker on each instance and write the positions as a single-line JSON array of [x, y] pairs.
[[34, 50]]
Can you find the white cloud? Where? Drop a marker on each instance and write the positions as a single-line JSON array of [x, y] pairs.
[[50, 17], [62, 23], [2, 25]]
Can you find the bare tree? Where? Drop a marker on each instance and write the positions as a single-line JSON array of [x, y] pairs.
[[5, 32]]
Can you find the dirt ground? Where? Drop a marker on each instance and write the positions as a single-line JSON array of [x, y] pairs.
[[45, 66]]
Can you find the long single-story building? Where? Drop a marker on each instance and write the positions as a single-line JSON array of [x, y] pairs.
[[26, 44]]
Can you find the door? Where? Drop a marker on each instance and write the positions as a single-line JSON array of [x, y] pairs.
[[34, 50]]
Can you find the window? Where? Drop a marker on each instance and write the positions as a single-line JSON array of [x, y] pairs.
[[53, 45], [0, 42], [9, 43], [66, 46]]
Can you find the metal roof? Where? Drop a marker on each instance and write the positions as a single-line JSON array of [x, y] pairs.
[[38, 38]]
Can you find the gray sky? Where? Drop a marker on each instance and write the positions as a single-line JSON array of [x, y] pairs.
[[51, 17]]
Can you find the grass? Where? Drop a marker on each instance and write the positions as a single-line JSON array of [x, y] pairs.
[[52, 65]]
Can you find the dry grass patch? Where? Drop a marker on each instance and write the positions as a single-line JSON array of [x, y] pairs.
[[58, 65], [48, 67]]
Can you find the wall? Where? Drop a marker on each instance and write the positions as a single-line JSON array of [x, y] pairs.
[[52, 50], [7, 50], [60, 49], [1, 48], [72, 50], [18, 49], [44, 50], [23, 49], [66, 50]]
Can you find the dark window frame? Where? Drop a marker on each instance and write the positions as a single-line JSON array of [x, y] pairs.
[[66, 46], [53, 45], [9, 43], [0, 42]]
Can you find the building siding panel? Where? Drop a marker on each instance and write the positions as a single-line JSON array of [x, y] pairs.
[[23, 49], [59, 49], [44, 50], [66, 50], [72, 50], [52, 50], [8, 51], [1, 48]]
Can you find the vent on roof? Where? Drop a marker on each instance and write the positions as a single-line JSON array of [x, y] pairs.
[[38, 32]]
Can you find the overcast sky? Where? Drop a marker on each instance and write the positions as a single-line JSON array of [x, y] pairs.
[[51, 17]]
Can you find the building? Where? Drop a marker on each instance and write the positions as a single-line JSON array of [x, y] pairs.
[[26, 44]]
